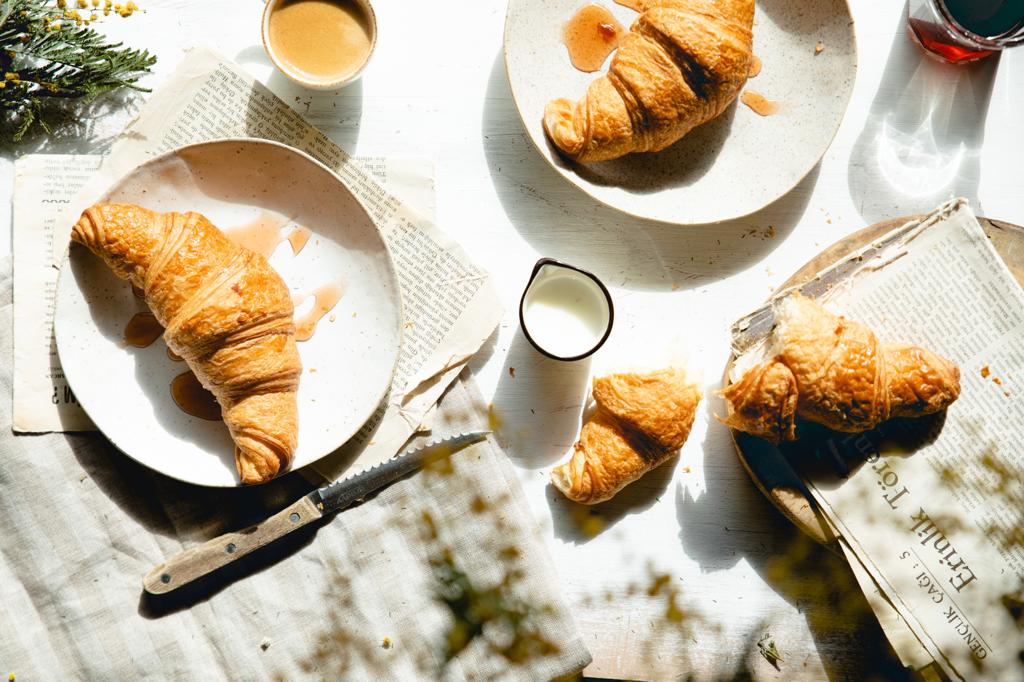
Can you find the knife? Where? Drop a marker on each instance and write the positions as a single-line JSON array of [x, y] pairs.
[[194, 563]]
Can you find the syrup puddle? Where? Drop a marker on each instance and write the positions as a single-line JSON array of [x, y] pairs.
[[142, 330], [755, 66], [298, 238], [325, 298], [590, 36], [264, 234], [637, 5], [190, 396], [760, 104]]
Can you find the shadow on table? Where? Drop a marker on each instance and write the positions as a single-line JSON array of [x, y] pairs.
[[732, 521], [538, 404], [922, 139], [560, 221], [681, 164], [338, 112], [581, 523], [199, 514], [77, 127]]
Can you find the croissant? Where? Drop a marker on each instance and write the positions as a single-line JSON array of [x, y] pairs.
[[641, 420], [835, 372], [680, 65], [225, 311]]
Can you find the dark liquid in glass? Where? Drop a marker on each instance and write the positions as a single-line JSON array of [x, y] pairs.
[[986, 18]]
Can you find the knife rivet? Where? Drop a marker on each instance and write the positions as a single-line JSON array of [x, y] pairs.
[[294, 517], [230, 548], [165, 578]]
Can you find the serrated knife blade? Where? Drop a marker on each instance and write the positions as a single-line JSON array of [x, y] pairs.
[[347, 491]]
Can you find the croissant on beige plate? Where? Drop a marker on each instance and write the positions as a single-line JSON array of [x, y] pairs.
[[834, 372], [680, 65], [225, 311], [641, 420]]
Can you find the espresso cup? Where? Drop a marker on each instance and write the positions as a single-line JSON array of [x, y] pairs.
[[322, 45]]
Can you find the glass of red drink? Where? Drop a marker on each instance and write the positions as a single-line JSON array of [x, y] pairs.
[[966, 30]]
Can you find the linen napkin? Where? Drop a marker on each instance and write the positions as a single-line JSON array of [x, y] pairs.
[[442, 574]]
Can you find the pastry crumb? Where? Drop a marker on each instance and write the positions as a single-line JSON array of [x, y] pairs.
[[998, 381], [512, 372], [312, 370], [687, 469], [819, 48], [985, 371], [331, 318], [386, 643], [265, 644], [766, 647]]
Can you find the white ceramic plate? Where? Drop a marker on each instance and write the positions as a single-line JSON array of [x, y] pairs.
[[347, 365], [730, 166]]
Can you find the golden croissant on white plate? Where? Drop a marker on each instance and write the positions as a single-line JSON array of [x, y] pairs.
[[641, 421], [680, 65], [834, 372], [225, 311]]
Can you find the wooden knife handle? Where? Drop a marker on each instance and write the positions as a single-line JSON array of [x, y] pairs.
[[199, 561]]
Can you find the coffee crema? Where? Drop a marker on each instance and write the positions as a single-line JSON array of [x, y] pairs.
[[322, 41]]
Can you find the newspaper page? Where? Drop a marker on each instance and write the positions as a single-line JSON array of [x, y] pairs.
[[209, 97], [932, 507], [44, 187]]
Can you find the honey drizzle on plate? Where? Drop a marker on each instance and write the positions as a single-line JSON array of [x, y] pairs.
[[142, 330], [193, 399], [298, 238], [262, 234], [327, 296], [637, 5], [590, 36], [755, 66], [760, 104]]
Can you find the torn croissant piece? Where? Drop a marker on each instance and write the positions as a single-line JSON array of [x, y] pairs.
[[225, 311], [681, 64], [641, 420], [834, 372]]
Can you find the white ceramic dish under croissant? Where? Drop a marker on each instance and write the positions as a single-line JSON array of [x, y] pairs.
[[728, 167], [347, 365]]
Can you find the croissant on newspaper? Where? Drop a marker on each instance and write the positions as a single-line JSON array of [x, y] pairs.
[[680, 65], [225, 311], [641, 420], [835, 372]]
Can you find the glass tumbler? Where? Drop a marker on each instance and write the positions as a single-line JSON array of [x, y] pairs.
[[960, 31]]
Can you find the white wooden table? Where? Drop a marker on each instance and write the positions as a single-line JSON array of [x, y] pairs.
[[916, 131]]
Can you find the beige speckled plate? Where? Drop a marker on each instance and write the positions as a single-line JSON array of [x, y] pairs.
[[729, 167], [348, 364]]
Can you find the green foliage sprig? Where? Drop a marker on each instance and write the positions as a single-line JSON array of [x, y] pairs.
[[47, 57]]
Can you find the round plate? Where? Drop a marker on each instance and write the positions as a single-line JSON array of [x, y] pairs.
[[768, 468], [728, 167], [347, 365]]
